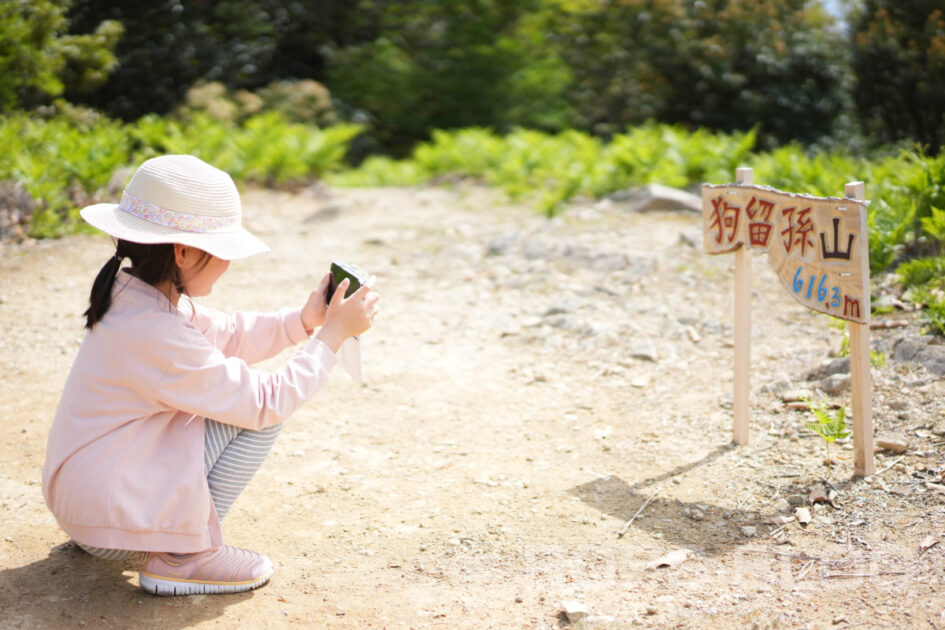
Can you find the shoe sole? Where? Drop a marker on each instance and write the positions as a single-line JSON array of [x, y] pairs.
[[164, 586]]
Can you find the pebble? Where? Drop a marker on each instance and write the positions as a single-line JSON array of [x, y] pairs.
[[836, 384], [893, 442], [797, 500], [749, 531], [695, 514], [575, 611], [829, 368], [643, 351], [796, 395]]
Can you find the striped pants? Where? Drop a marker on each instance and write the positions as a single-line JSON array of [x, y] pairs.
[[231, 457]]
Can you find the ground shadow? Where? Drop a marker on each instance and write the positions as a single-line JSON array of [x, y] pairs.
[[70, 588], [709, 528]]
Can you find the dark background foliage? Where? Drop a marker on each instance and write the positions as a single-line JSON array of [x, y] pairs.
[[787, 67]]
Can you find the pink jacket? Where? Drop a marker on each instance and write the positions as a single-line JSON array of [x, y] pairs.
[[124, 461]]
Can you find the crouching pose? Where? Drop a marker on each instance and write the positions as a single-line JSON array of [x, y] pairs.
[[162, 422]]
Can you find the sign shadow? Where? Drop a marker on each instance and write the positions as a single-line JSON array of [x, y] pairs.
[[701, 526]]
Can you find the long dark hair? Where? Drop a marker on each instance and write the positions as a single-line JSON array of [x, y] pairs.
[[152, 263]]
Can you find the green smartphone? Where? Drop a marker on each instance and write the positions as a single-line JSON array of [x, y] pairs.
[[341, 270]]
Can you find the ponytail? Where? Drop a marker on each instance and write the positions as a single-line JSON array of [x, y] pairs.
[[150, 262], [100, 298]]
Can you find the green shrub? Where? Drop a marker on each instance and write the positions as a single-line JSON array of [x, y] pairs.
[[60, 164], [64, 164]]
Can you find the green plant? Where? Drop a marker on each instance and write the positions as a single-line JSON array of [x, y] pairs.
[[831, 426], [877, 358]]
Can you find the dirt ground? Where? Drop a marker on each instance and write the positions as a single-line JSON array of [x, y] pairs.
[[532, 385]]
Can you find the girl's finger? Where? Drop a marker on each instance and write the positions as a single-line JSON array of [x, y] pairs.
[[361, 293], [323, 284], [339, 295]]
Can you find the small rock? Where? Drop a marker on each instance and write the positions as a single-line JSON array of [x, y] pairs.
[[893, 442], [803, 516], [695, 514], [829, 368], [796, 395], [657, 197], [836, 384], [749, 531], [691, 237], [797, 500], [778, 386], [644, 351], [652, 610], [575, 611]]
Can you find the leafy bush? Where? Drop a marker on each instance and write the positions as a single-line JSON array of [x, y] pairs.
[[549, 169], [304, 101], [925, 281], [64, 164], [60, 165]]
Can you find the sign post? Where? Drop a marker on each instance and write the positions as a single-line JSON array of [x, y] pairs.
[[818, 248], [742, 377]]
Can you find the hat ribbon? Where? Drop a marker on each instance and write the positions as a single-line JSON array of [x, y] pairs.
[[183, 221]]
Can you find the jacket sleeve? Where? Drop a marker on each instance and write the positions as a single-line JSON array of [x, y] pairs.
[[250, 336], [201, 380]]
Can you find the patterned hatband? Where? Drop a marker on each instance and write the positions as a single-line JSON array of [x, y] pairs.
[[174, 219]]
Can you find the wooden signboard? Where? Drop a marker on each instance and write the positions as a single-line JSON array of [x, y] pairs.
[[818, 247]]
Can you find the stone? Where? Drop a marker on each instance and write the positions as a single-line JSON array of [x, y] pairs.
[[836, 384], [796, 395], [749, 531], [829, 368], [777, 386], [575, 611], [797, 500], [644, 351], [895, 442], [932, 358], [695, 514], [907, 348], [657, 197], [504, 243], [691, 237]]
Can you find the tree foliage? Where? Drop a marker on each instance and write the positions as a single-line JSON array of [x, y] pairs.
[[408, 67], [899, 62], [39, 60], [725, 64], [450, 64]]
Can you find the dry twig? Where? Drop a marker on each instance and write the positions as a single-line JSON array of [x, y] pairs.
[[633, 518]]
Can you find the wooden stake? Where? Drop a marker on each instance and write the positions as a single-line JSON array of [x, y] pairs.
[[742, 329], [862, 384]]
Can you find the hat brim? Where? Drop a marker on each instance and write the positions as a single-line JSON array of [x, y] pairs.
[[227, 245]]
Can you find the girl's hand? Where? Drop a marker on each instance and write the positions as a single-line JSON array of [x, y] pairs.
[[348, 317], [313, 313]]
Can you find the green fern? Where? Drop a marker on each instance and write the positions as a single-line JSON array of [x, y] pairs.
[[831, 426]]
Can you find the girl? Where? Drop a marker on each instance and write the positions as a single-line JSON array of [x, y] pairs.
[[162, 422]]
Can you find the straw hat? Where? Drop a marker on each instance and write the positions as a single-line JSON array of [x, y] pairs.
[[179, 199]]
